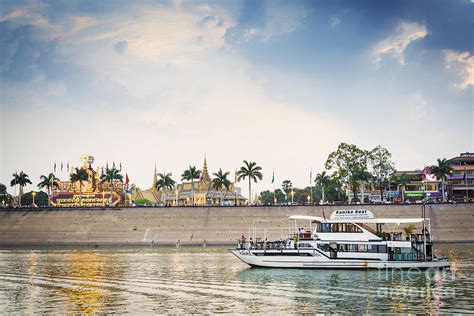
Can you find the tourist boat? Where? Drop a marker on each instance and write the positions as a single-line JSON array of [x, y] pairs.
[[349, 239]]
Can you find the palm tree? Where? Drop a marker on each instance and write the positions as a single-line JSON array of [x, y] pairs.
[[251, 171], [442, 170], [111, 175], [21, 180], [49, 182], [189, 175], [402, 180], [165, 182], [409, 230], [79, 175], [220, 181], [323, 180], [287, 186]]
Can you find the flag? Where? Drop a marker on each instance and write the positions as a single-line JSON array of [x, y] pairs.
[[120, 166], [61, 166], [54, 167], [68, 167], [102, 171], [273, 177], [127, 180]]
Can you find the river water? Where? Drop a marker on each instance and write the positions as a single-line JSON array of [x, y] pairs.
[[208, 280]]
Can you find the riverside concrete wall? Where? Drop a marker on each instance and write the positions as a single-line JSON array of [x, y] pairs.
[[215, 225]]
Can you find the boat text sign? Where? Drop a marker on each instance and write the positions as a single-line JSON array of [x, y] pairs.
[[352, 214]]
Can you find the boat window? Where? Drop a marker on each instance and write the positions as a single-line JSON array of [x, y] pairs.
[[337, 228], [362, 248], [342, 247], [382, 249], [372, 248], [323, 247]]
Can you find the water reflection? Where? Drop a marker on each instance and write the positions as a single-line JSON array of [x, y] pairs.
[[195, 280]]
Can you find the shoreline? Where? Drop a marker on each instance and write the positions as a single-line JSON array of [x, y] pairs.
[[216, 226], [157, 246]]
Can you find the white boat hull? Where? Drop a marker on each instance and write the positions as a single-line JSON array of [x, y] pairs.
[[321, 262]]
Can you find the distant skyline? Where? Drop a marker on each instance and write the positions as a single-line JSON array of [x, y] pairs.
[[281, 83]]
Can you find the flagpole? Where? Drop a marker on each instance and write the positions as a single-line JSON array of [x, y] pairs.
[[274, 190], [311, 184]]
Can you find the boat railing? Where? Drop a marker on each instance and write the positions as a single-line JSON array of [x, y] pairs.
[[264, 245]]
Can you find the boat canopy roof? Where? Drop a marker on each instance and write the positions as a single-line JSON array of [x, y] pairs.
[[359, 220]]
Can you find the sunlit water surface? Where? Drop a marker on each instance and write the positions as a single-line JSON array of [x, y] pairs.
[[195, 280]]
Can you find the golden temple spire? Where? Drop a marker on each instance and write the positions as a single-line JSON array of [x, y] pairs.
[[155, 179], [205, 175]]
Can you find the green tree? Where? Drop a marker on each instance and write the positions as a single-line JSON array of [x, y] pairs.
[[382, 167], [251, 171], [268, 197], [41, 199], [220, 181], [442, 170], [401, 181], [22, 180], [165, 182], [350, 163], [79, 175], [143, 202], [322, 180], [49, 182], [5, 198], [191, 174], [335, 191], [111, 175], [301, 196], [286, 185]]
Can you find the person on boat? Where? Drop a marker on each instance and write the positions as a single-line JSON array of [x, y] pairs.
[[295, 240]]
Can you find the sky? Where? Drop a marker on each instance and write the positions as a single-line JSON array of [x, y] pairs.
[[281, 83]]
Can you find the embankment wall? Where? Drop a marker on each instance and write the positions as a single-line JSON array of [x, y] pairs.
[[194, 225]]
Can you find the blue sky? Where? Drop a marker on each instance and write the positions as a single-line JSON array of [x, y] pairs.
[[278, 82]]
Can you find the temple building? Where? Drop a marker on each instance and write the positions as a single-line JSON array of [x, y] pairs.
[[182, 194]]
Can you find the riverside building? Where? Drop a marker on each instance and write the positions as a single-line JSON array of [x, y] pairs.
[[461, 182]]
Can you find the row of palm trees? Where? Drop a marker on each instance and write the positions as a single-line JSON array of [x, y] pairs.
[[50, 181], [249, 170]]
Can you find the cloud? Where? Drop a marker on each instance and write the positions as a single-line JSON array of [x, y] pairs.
[[335, 21], [26, 13], [463, 63], [120, 46], [265, 21], [22, 52], [395, 44]]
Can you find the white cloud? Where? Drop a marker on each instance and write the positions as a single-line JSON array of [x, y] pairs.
[[162, 34], [463, 63], [335, 21], [27, 13], [395, 44]]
